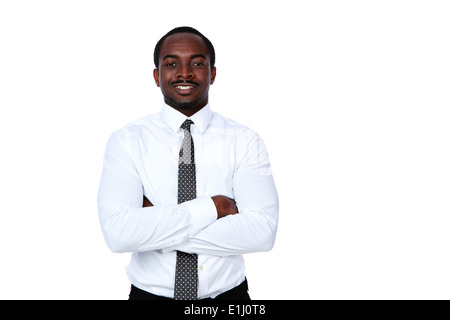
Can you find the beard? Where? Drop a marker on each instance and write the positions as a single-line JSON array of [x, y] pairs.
[[184, 105]]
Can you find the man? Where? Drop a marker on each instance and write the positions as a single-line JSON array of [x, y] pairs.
[[187, 191]]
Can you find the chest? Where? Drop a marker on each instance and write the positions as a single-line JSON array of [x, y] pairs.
[[216, 160]]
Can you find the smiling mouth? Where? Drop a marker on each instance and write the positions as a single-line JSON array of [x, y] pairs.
[[185, 83], [184, 87]]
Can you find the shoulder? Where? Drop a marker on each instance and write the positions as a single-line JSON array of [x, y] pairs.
[[232, 127], [138, 127]]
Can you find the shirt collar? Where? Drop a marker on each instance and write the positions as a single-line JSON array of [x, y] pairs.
[[175, 118]]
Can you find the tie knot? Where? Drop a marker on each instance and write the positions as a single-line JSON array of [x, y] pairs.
[[187, 124]]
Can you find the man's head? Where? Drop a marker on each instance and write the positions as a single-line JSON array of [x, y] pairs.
[[209, 45], [184, 61]]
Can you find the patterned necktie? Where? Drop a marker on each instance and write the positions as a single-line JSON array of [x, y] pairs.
[[186, 275]]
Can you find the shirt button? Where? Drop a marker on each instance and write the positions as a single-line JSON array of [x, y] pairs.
[[201, 268]]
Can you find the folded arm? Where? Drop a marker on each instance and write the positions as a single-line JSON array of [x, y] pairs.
[[218, 225], [254, 228], [127, 225]]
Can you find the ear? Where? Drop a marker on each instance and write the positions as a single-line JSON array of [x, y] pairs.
[[213, 75], [156, 76]]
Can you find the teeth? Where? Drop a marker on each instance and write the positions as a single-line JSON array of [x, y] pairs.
[[184, 87]]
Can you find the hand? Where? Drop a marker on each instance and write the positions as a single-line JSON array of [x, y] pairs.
[[225, 206], [147, 203]]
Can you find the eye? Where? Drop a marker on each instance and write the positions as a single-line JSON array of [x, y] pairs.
[[170, 64], [199, 64]]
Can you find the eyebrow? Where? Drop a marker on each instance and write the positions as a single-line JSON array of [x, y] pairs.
[[198, 56], [192, 57], [170, 56]]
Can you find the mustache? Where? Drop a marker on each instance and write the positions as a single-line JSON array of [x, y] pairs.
[[184, 82]]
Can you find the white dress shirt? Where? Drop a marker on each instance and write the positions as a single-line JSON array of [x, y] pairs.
[[231, 160]]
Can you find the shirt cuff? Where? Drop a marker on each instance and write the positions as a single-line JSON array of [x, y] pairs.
[[203, 212]]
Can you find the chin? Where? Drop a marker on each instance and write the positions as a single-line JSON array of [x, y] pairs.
[[187, 105], [184, 105]]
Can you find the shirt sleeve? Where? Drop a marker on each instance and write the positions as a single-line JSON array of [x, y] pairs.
[[254, 228], [126, 225]]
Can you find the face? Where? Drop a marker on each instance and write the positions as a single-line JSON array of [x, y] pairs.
[[184, 74]]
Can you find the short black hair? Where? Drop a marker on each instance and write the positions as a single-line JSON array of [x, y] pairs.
[[209, 45]]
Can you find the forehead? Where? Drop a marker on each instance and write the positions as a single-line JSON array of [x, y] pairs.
[[183, 44]]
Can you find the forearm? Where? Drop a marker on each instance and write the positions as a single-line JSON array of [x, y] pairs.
[[239, 234], [252, 230], [133, 229]]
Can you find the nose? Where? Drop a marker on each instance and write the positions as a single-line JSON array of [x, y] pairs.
[[185, 71]]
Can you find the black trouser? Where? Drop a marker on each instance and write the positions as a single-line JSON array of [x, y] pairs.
[[237, 293]]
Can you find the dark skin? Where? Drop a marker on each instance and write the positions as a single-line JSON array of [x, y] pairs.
[[184, 76], [185, 73], [224, 205]]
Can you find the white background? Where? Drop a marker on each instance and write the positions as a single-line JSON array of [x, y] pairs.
[[351, 97]]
